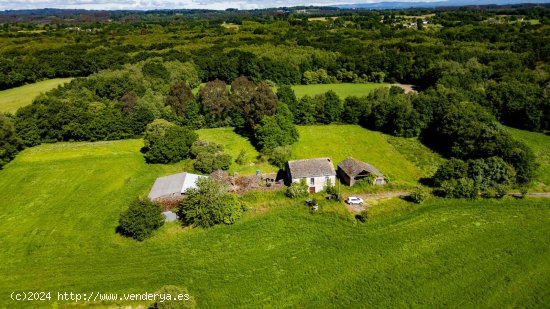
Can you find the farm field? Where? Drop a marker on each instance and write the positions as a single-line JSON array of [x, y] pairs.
[[12, 99], [59, 207], [343, 90], [233, 144], [540, 143]]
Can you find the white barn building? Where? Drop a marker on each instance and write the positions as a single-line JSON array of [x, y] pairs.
[[173, 186], [316, 173]]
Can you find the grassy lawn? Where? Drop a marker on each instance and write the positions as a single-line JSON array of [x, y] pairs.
[[342, 141], [233, 144], [12, 99], [540, 143], [343, 90], [60, 204]]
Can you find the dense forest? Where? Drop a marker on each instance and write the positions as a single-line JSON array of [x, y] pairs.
[[473, 69]]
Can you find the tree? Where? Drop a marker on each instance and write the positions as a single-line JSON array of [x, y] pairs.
[[355, 110], [166, 142], [209, 204], [305, 111], [275, 131], [179, 98], [129, 102], [215, 103], [280, 155], [459, 188], [252, 102], [10, 144], [286, 95], [328, 107], [452, 169], [140, 220]]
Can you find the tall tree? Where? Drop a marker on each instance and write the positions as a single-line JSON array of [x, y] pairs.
[[179, 97]]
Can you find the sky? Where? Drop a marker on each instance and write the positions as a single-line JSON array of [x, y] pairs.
[[172, 4]]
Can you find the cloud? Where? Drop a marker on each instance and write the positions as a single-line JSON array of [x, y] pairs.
[[168, 4]]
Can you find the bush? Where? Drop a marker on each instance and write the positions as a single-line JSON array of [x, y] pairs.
[[209, 162], [280, 155], [241, 158], [418, 195], [452, 169], [173, 301], [140, 219], [166, 142], [297, 189], [362, 216], [210, 204], [459, 188], [331, 190]]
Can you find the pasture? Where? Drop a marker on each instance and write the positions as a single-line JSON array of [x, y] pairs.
[[59, 207], [540, 144], [343, 90], [12, 99]]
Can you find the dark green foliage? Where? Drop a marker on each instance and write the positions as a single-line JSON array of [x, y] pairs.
[[356, 110], [215, 103], [452, 169], [490, 172], [286, 95], [297, 189], [418, 195], [275, 131], [140, 220], [459, 188], [166, 142], [305, 111], [155, 69], [179, 98], [328, 107], [241, 158], [252, 102], [392, 112], [363, 216], [210, 204], [10, 144], [174, 302], [280, 155]]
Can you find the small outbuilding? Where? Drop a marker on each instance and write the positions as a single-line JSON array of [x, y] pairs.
[[351, 170], [316, 173], [173, 186]]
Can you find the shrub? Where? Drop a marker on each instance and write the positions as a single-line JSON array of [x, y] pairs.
[[173, 301], [418, 195], [140, 219], [452, 169], [241, 158], [331, 190], [459, 188], [362, 216], [210, 204], [297, 189], [209, 162], [280, 155]]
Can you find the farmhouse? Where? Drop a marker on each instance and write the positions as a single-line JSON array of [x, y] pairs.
[[173, 186], [351, 170], [316, 172]]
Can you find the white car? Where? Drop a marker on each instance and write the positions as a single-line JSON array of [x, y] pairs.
[[352, 200]]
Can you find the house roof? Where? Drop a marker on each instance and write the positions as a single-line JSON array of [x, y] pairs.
[[173, 185], [311, 168], [354, 167]]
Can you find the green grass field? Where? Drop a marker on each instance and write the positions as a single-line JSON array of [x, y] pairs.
[[233, 144], [343, 90], [342, 141], [540, 143], [59, 206], [12, 99]]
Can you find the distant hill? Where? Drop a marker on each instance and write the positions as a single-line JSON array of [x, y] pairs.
[[409, 4]]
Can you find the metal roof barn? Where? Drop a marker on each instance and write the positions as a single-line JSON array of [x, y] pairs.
[[173, 185]]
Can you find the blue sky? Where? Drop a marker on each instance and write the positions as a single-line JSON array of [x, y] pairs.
[[170, 4]]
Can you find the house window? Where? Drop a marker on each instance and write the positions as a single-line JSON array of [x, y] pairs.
[[312, 181]]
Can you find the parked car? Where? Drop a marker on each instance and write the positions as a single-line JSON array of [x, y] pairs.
[[352, 200]]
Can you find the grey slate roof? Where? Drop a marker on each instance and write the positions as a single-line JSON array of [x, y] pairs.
[[173, 185], [353, 167], [311, 168]]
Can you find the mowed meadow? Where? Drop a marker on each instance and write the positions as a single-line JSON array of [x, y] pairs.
[[12, 99], [59, 207]]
